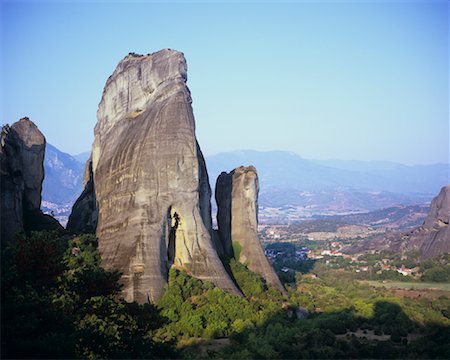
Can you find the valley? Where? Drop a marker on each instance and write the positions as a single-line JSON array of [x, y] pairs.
[[145, 248], [281, 201]]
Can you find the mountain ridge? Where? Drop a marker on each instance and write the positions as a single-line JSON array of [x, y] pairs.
[[82, 157], [361, 174], [289, 179], [63, 176]]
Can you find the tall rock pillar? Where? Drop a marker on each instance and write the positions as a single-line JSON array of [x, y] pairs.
[[237, 202], [150, 179], [22, 172]]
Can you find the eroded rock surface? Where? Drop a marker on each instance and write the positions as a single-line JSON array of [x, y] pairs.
[[223, 195], [84, 215], [237, 202], [22, 172], [435, 231], [431, 239], [151, 184]]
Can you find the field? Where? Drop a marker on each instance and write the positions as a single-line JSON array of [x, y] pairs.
[[409, 285]]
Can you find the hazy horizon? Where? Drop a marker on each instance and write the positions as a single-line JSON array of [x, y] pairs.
[[285, 151], [325, 80]]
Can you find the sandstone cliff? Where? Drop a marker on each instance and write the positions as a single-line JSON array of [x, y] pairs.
[[431, 239], [151, 184], [237, 218], [223, 195], [22, 172], [84, 215]]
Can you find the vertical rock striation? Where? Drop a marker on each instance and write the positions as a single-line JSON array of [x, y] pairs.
[[237, 218], [22, 172], [151, 184]]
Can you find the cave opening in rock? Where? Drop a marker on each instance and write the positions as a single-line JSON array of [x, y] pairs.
[[174, 222]]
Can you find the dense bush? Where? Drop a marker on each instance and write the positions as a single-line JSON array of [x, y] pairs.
[[437, 274], [57, 302], [199, 309]]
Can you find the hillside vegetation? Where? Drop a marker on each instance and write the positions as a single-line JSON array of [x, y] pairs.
[[57, 302]]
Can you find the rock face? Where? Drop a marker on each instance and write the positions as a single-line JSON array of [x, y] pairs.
[[237, 218], [151, 184], [22, 172], [431, 239], [223, 195], [84, 216]]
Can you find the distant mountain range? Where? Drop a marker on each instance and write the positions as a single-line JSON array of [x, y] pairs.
[[82, 157], [62, 183], [286, 179], [282, 169], [396, 177], [63, 176]]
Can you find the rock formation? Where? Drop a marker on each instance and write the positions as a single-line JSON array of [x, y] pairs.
[[22, 172], [237, 218], [84, 216], [151, 184], [223, 195], [431, 239], [437, 223]]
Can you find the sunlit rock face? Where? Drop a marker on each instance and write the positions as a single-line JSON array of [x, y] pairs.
[[151, 184], [237, 202], [22, 172]]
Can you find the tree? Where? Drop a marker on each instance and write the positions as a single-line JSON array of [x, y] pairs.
[[57, 302]]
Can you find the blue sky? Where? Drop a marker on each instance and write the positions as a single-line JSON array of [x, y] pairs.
[[347, 80]]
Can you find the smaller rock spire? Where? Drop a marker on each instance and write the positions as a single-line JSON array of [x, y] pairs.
[[237, 218]]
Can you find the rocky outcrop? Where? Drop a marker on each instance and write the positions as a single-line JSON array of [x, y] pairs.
[[435, 232], [151, 184], [237, 218], [22, 172], [84, 215], [223, 195], [431, 239]]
